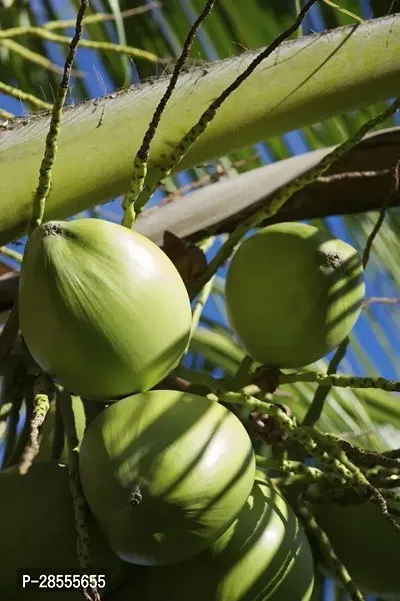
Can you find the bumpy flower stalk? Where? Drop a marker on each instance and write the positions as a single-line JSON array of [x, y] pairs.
[[375, 495], [139, 173], [369, 461], [298, 434], [321, 378], [317, 445], [341, 381], [84, 541], [291, 467], [328, 552], [357, 479], [43, 395]]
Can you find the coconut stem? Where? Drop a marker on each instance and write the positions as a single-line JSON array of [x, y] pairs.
[[136, 184], [42, 396], [328, 551], [323, 447], [292, 467], [321, 378], [84, 541], [45, 171]]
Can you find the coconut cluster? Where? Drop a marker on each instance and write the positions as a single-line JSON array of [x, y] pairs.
[[170, 476]]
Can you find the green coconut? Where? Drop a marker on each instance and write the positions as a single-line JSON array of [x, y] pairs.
[[366, 543], [38, 530], [293, 293], [49, 427], [102, 309], [165, 473], [263, 556]]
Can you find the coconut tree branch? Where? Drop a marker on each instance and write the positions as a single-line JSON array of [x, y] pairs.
[[11, 254], [295, 86], [218, 208], [384, 300], [107, 46]]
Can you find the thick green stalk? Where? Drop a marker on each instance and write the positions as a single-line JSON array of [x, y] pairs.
[[303, 82]]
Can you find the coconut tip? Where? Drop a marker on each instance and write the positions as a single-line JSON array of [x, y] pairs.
[[52, 228]]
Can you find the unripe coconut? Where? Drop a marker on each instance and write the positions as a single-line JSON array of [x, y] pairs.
[[38, 530], [165, 473], [293, 293], [263, 556], [366, 543], [102, 308]]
